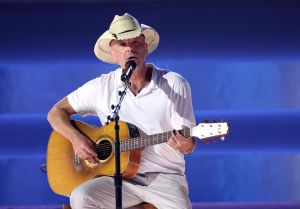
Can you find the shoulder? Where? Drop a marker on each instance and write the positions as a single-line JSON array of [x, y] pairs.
[[170, 78], [110, 76], [174, 78], [105, 79]]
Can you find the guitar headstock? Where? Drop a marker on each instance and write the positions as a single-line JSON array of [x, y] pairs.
[[212, 130]]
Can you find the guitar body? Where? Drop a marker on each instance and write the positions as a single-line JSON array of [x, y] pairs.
[[66, 171]]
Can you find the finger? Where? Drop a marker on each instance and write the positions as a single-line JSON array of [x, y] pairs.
[[80, 155], [177, 141], [174, 136], [89, 148], [184, 143], [83, 154], [180, 138], [178, 133], [90, 151], [173, 143]]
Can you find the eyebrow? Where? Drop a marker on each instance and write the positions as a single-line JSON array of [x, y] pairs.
[[120, 41]]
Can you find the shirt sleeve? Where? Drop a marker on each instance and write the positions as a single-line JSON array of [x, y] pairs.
[[182, 113], [84, 100]]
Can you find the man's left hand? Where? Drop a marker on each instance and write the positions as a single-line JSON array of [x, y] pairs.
[[181, 143]]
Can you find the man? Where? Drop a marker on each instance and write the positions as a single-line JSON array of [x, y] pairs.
[[158, 101]]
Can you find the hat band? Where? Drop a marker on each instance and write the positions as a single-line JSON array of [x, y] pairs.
[[127, 34]]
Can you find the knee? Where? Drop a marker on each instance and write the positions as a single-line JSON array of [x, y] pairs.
[[79, 199]]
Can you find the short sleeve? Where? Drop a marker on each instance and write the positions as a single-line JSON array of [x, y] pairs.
[[182, 113], [84, 99]]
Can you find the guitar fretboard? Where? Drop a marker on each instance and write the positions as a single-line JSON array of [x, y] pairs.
[[145, 141]]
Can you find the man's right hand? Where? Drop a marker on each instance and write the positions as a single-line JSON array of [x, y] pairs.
[[84, 148], [59, 118]]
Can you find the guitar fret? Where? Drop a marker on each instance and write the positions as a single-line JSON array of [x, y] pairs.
[[146, 142], [140, 142], [132, 144], [137, 143]]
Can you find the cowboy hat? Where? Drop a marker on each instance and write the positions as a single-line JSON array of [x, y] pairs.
[[124, 27]]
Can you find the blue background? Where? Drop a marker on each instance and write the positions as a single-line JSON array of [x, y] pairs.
[[242, 59]]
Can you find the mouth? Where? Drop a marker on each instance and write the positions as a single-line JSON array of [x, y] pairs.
[[132, 58]]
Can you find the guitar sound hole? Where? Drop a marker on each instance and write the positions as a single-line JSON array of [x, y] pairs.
[[104, 149]]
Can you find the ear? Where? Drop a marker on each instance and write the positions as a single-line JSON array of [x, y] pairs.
[[113, 57], [146, 48]]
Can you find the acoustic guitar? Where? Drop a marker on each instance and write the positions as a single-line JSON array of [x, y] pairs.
[[66, 171]]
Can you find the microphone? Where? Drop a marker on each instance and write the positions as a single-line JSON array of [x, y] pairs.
[[129, 67]]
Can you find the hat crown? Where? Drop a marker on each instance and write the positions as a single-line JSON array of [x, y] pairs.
[[122, 28], [124, 23]]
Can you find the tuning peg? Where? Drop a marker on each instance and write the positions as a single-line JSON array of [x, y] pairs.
[[214, 139], [206, 141], [223, 120], [206, 121], [214, 120], [222, 138]]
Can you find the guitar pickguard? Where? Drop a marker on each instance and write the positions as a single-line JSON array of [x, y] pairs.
[[133, 130]]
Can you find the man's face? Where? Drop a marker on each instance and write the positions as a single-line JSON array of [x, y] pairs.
[[129, 49]]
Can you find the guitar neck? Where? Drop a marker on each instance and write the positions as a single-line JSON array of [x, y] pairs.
[[145, 141]]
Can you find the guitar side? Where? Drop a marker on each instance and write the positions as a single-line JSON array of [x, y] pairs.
[[65, 172]]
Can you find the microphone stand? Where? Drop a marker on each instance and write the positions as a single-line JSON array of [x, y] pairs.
[[115, 118]]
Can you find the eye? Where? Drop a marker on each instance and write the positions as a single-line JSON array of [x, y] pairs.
[[122, 44], [136, 43]]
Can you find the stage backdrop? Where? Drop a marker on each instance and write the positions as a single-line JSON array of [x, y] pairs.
[[241, 58], [236, 55]]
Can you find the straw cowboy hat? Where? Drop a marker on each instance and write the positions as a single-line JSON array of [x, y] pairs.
[[124, 27]]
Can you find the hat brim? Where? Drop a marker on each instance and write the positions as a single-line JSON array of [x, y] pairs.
[[102, 47]]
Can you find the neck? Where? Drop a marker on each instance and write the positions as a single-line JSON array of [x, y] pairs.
[[140, 78], [139, 75]]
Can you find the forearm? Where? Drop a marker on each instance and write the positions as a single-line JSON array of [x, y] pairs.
[[59, 119]]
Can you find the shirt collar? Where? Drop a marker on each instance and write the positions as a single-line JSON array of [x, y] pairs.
[[152, 85]]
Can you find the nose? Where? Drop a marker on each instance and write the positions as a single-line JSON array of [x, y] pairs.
[[129, 48]]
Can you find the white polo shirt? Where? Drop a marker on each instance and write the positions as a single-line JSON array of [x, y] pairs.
[[165, 104]]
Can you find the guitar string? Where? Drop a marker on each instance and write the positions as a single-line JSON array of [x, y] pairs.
[[130, 144], [87, 169], [136, 141], [140, 141], [125, 144]]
